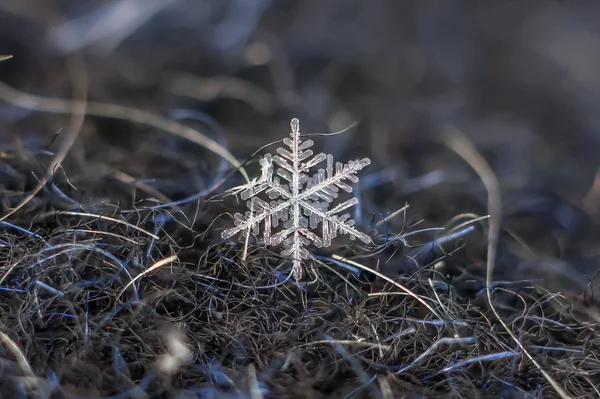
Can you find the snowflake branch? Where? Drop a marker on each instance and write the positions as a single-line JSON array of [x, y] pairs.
[[300, 208]]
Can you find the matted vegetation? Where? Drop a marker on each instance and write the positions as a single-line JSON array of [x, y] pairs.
[[119, 147]]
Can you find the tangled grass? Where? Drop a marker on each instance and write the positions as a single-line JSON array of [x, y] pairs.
[[115, 283], [129, 296]]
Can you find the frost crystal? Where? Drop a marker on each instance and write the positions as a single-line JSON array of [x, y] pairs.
[[300, 201]]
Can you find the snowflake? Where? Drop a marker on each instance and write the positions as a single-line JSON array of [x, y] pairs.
[[300, 201]]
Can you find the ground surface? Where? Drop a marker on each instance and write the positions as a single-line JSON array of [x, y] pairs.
[[130, 192]]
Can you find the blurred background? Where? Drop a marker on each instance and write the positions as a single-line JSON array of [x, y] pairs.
[[520, 79]]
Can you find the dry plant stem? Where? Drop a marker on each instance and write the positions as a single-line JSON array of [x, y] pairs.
[[457, 142], [189, 85], [77, 69], [389, 280], [384, 386], [11, 347], [347, 342], [127, 179], [478, 359], [255, 392], [392, 215], [432, 348], [102, 217], [155, 266], [593, 386], [33, 383], [106, 233], [119, 20], [116, 111]]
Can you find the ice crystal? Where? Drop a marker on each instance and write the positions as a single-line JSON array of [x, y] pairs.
[[299, 201]]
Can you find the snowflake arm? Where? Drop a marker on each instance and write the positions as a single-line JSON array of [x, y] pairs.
[[298, 200]]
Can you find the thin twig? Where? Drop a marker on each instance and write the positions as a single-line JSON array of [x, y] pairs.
[[458, 142]]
